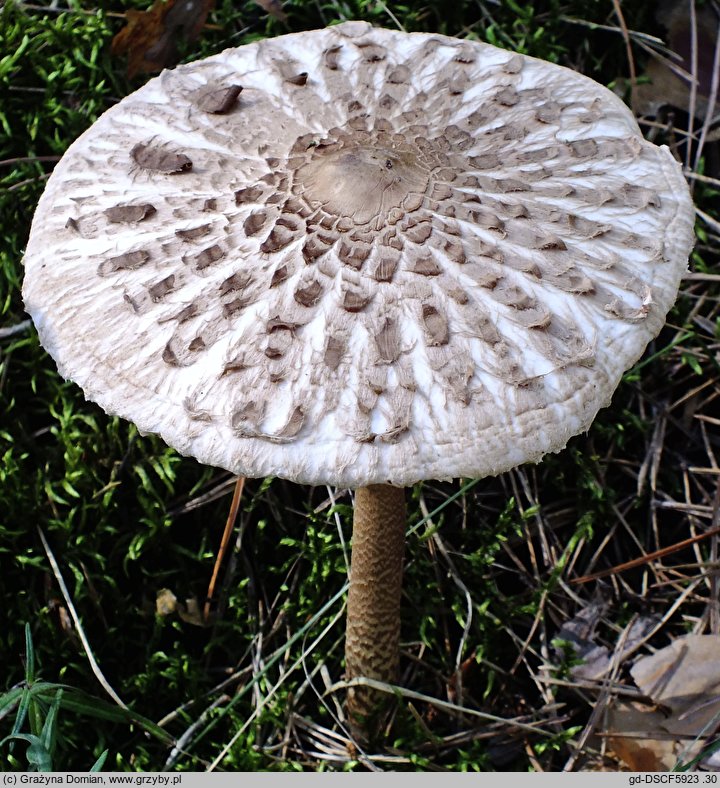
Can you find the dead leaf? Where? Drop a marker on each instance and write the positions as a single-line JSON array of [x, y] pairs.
[[684, 677], [462, 678], [165, 602], [632, 730], [57, 607], [597, 660], [579, 631], [669, 80], [274, 8], [149, 37], [636, 734], [190, 612], [682, 682]]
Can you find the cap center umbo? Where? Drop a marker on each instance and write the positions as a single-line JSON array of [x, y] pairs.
[[360, 182]]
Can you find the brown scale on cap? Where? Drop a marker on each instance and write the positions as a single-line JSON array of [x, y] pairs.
[[157, 159], [129, 214], [219, 101]]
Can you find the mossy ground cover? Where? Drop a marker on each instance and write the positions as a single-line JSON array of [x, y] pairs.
[[490, 564]]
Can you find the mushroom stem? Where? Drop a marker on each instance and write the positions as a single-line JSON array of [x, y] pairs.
[[372, 639]]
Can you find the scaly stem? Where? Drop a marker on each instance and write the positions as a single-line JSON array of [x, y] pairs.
[[372, 639]]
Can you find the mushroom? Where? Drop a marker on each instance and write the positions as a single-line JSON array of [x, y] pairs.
[[363, 258]]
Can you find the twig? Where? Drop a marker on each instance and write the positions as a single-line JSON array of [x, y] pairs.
[[18, 328], [714, 580], [694, 80], [708, 120], [271, 693], [393, 689], [338, 525], [703, 277], [634, 34], [177, 750], [221, 687], [25, 182], [714, 223], [27, 160], [631, 59], [646, 559], [696, 176], [602, 702], [86, 645], [224, 542], [218, 490], [392, 16], [667, 615], [458, 582]]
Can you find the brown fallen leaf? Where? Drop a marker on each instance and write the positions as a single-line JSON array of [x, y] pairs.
[[683, 681], [636, 736], [167, 604], [462, 678], [150, 37], [274, 8], [668, 81], [190, 613], [56, 607], [685, 678], [632, 734], [579, 633]]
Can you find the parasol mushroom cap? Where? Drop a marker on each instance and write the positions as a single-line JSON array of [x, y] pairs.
[[357, 256]]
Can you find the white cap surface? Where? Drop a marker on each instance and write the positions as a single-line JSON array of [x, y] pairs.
[[355, 256]]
